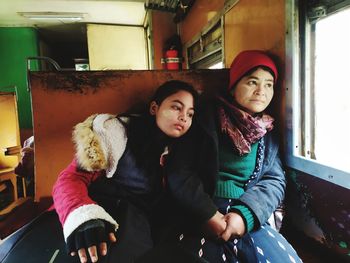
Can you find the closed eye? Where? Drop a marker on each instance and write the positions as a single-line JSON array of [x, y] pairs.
[[176, 107], [190, 114]]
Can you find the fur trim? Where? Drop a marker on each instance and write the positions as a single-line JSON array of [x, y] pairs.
[[113, 139], [89, 153], [83, 214], [100, 142]]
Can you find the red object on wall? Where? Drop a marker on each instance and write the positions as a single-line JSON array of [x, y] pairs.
[[172, 60]]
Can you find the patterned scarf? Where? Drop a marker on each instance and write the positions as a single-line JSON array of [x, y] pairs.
[[242, 128]]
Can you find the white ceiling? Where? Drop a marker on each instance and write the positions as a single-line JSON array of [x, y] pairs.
[[95, 11]]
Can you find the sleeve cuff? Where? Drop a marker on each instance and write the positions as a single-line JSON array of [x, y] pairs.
[[247, 216], [83, 214]]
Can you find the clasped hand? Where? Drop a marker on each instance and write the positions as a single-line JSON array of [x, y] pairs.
[[226, 226]]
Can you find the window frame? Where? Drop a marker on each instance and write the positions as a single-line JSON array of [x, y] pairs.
[[209, 54], [299, 101]]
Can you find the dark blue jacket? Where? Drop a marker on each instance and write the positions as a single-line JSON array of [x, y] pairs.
[[192, 170]]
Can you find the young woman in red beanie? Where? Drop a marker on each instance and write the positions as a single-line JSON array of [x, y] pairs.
[[227, 176]]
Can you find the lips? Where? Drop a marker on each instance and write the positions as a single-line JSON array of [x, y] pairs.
[[179, 127], [257, 101]]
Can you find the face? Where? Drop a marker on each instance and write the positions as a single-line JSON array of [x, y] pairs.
[[253, 93], [174, 115]]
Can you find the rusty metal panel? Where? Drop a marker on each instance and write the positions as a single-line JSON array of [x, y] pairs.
[[62, 99]]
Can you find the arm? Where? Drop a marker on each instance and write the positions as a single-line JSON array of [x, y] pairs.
[[78, 214], [185, 184], [264, 197], [100, 142], [259, 201], [253, 201], [72, 203]]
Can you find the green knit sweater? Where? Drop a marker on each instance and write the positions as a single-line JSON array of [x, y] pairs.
[[234, 172]]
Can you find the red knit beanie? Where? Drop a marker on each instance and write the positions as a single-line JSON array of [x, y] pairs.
[[245, 61]]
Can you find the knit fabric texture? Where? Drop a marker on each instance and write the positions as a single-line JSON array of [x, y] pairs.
[[234, 172], [246, 60]]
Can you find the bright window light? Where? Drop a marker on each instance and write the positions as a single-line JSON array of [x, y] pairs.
[[332, 91], [218, 65]]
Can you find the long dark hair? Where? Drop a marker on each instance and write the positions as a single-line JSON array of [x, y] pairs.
[[171, 87], [145, 139]]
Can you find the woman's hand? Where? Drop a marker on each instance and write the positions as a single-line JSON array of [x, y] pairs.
[[90, 239], [216, 225], [93, 250], [235, 226]]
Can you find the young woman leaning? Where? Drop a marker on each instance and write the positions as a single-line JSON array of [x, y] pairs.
[[117, 176]]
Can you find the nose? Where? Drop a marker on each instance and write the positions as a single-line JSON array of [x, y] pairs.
[[182, 117], [259, 89]]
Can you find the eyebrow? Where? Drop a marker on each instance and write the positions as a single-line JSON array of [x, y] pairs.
[[178, 101], [253, 77]]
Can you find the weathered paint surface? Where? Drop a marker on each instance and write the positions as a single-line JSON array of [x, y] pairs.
[[255, 24], [62, 99]]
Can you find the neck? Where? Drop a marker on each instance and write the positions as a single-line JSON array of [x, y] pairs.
[[161, 138]]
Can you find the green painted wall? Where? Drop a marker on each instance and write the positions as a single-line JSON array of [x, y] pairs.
[[16, 44]]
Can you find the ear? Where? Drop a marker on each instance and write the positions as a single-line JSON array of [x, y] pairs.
[[153, 108]]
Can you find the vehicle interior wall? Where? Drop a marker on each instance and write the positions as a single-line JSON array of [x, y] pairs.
[[116, 47], [15, 45], [248, 25], [163, 28], [200, 14], [255, 24]]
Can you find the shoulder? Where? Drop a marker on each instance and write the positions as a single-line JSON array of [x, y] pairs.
[[272, 139], [86, 132], [93, 136], [271, 142]]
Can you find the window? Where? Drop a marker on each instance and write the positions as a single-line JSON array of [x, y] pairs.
[[318, 92], [205, 50]]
